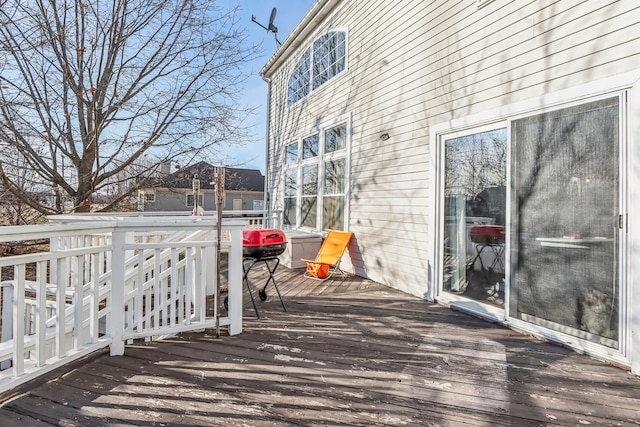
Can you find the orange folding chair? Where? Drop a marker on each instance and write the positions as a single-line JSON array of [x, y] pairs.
[[328, 259]]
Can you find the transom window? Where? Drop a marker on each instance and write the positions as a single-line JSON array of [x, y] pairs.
[[329, 59], [316, 182]]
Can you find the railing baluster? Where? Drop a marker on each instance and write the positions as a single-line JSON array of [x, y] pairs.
[[94, 301], [189, 278], [173, 301], [199, 292], [41, 312], [77, 284], [61, 285], [18, 320], [138, 308], [157, 287]]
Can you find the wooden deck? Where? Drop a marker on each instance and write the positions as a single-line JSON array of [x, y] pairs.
[[348, 352]]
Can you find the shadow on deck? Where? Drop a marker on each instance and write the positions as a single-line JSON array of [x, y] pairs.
[[347, 352]]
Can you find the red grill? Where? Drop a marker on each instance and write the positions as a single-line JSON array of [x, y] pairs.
[[268, 242], [487, 234]]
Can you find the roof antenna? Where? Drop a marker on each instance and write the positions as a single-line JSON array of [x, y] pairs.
[[270, 27]]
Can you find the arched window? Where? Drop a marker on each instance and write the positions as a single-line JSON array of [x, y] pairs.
[[299, 80], [329, 58]]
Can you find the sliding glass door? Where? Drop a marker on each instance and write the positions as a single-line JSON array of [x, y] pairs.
[[565, 220], [553, 216]]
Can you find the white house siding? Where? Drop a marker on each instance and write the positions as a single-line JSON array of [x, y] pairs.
[[388, 181], [412, 64], [510, 51]]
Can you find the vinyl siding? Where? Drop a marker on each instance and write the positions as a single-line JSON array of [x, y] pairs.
[[415, 63], [176, 200]]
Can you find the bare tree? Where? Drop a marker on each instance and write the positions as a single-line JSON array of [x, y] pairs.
[[99, 92], [13, 210]]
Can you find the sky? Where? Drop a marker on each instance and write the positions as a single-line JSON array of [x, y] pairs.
[[288, 15]]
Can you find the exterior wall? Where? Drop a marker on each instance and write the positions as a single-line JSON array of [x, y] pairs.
[[176, 200], [414, 64], [506, 52], [387, 215]]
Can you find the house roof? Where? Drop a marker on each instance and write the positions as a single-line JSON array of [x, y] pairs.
[[236, 179]]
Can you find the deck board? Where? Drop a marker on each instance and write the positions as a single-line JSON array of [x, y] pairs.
[[348, 352]]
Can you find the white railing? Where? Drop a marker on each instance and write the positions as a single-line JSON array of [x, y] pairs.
[[107, 280], [254, 218]]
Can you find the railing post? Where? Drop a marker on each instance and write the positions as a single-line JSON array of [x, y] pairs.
[[235, 281], [116, 324]]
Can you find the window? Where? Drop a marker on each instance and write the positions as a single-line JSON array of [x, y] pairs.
[[144, 197], [258, 205], [290, 214], [316, 185], [291, 154], [310, 147], [328, 57], [309, 196], [190, 200], [335, 139], [318, 64], [299, 80], [333, 195]]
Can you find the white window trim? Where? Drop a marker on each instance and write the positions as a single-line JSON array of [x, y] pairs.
[[150, 196], [319, 161]]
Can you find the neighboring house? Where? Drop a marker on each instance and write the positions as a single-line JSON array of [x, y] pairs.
[[402, 121], [244, 190]]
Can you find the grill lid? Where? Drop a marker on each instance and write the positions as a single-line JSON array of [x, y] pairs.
[[263, 237], [263, 243]]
